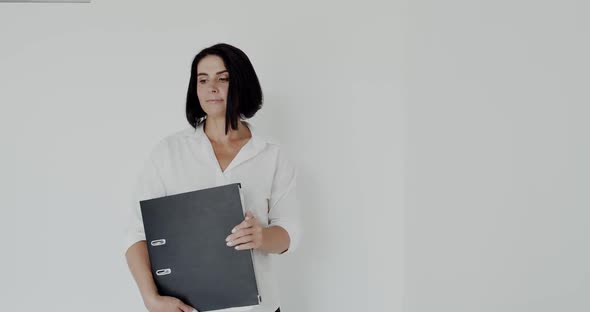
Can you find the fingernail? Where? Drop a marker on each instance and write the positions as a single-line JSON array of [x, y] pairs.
[[237, 247], [247, 218], [227, 239], [233, 230], [229, 243]]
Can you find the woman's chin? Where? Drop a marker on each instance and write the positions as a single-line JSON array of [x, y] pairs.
[[215, 114]]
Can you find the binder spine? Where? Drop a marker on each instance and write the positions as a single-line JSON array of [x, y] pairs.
[[255, 275], [251, 251], [156, 243], [241, 198]]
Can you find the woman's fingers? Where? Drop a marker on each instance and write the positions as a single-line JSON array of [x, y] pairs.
[[241, 240], [183, 306], [186, 308], [249, 221], [245, 235], [246, 246], [252, 241], [243, 225], [239, 234]]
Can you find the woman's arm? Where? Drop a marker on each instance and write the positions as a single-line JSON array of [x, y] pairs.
[[139, 265], [275, 239], [250, 234], [282, 231]]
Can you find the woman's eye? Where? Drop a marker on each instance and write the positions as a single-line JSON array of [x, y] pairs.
[[202, 81], [224, 79]]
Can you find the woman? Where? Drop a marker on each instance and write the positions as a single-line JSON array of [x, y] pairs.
[[220, 148]]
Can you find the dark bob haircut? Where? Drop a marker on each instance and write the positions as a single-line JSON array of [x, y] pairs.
[[244, 96]]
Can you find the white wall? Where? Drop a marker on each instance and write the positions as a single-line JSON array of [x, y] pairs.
[[469, 115], [497, 169], [88, 89]]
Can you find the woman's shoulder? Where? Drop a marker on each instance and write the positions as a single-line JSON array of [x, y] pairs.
[[181, 134], [169, 142], [282, 155], [271, 143]]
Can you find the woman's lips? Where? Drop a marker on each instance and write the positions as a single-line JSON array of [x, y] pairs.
[[215, 100]]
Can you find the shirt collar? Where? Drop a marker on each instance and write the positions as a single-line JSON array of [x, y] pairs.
[[199, 132], [254, 146]]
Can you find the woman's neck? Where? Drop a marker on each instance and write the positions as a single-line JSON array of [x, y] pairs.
[[215, 131]]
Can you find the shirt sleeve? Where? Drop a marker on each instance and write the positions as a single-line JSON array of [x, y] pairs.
[[284, 206], [148, 185]]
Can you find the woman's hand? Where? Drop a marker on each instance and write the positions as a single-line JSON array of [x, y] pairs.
[[167, 304], [246, 235]]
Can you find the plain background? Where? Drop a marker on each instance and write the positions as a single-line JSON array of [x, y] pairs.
[[89, 89], [497, 178], [441, 146]]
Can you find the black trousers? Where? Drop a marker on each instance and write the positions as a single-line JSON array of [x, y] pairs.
[[278, 310]]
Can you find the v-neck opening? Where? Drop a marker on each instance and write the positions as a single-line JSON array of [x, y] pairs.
[[233, 160], [230, 165], [249, 150]]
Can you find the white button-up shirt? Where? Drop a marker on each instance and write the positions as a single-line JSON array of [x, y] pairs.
[[185, 161]]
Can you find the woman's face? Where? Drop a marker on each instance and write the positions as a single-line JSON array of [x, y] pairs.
[[212, 85]]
